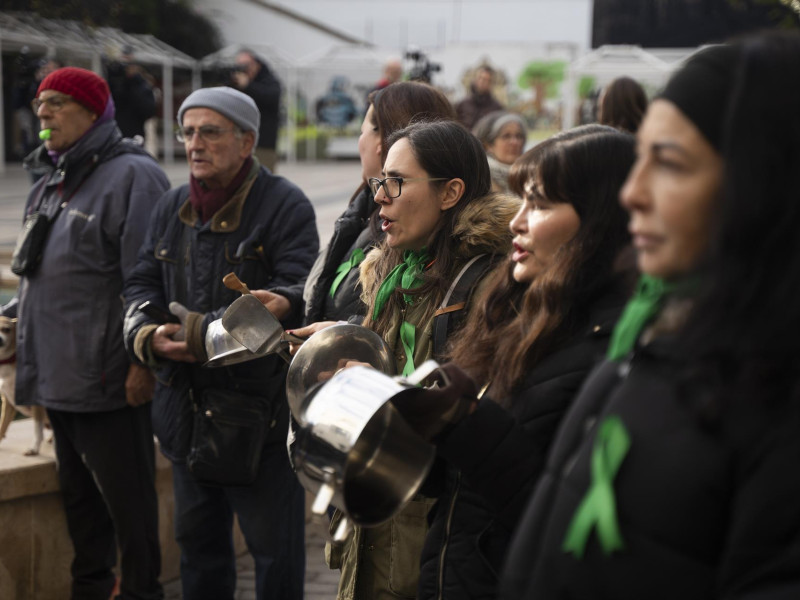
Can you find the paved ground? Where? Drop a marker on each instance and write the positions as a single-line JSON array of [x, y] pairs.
[[328, 185]]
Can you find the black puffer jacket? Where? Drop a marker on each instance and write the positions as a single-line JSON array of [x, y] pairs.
[[268, 238], [705, 510], [351, 231], [495, 457]]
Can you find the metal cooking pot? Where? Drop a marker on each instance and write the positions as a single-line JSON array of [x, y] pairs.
[[326, 352], [222, 349], [355, 450]]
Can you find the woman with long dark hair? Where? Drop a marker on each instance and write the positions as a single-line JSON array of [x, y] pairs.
[[331, 291], [674, 475], [540, 326], [437, 215]]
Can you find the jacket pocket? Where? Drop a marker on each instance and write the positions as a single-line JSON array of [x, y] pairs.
[[408, 531]]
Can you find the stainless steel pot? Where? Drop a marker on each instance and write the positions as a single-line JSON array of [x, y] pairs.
[[326, 352], [222, 349], [355, 451]]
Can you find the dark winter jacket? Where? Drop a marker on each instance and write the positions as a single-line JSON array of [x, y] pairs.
[[268, 237], [351, 231], [70, 354], [706, 509], [495, 457], [470, 110], [134, 100], [265, 90]]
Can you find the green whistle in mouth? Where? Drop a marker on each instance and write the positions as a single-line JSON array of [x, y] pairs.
[[44, 134]]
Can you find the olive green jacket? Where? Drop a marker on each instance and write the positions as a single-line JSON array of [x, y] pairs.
[[382, 562]]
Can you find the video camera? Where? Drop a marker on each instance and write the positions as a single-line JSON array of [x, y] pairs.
[[423, 68]]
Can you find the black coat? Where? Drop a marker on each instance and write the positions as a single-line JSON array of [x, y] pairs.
[[495, 458], [705, 510], [351, 230], [265, 90]]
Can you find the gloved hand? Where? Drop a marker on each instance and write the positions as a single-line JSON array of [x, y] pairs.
[[433, 411], [192, 328]]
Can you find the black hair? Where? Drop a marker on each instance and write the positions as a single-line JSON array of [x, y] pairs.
[[744, 327]]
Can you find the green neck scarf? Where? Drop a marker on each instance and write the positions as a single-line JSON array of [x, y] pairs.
[[343, 269], [406, 275], [645, 304]]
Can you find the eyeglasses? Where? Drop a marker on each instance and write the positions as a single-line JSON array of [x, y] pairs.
[[511, 136], [54, 103], [393, 186], [208, 133]]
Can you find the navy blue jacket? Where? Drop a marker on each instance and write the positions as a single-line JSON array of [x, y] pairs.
[[269, 240]]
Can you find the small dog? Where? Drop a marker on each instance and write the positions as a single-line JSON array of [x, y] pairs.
[[8, 378]]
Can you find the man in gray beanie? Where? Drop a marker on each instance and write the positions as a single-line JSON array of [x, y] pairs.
[[232, 216]]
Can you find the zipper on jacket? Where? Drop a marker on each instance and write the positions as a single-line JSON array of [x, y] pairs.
[[448, 526]]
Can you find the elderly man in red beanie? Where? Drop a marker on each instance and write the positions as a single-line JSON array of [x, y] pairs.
[[84, 223]]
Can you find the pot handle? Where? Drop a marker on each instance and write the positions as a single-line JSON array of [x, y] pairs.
[[422, 372], [323, 499], [342, 531]]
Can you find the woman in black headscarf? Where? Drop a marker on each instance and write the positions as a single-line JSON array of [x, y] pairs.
[[675, 475]]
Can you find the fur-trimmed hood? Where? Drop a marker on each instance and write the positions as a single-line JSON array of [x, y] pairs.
[[481, 228]]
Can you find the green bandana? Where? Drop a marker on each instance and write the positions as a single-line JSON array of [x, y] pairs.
[[343, 269], [645, 304], [598, 509], [406, 275]]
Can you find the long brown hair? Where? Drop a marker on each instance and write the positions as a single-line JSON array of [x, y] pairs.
[[443, 149], [623, 104], [398, 105], [518, 324]]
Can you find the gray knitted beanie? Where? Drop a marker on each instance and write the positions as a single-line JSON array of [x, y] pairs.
[[233, 104]]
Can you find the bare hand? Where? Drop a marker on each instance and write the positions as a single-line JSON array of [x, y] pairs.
[[241, 80], [307, 331], [276, 304], [139, 385], [164, 346]]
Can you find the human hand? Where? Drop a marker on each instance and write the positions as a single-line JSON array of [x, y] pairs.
[[276, 304], [307, 331], [240, 80], [139, 385], [164, 346], [433, 411]]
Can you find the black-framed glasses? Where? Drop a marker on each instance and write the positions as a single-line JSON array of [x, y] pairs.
[[208, 133], [393, 186], [54, 103]]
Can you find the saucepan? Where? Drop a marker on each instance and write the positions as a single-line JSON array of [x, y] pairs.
[[354, 450], [326, 352]]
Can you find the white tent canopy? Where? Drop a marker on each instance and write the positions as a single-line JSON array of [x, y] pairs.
[[609, 62], [78, 43]]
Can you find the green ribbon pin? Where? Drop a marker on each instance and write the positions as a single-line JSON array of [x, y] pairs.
[[343, 269], [598, 509]]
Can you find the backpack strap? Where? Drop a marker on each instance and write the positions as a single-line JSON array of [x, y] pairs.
[[451, 311]]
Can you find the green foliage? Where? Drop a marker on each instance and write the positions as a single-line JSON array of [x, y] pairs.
[[547, 74], [586, 84]]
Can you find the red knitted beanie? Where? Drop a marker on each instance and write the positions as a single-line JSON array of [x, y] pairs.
[[86, 87]]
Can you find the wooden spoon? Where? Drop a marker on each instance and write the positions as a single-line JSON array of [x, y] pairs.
[[232, 282]]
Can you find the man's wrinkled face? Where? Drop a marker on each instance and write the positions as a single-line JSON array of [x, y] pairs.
[[215, 162]]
